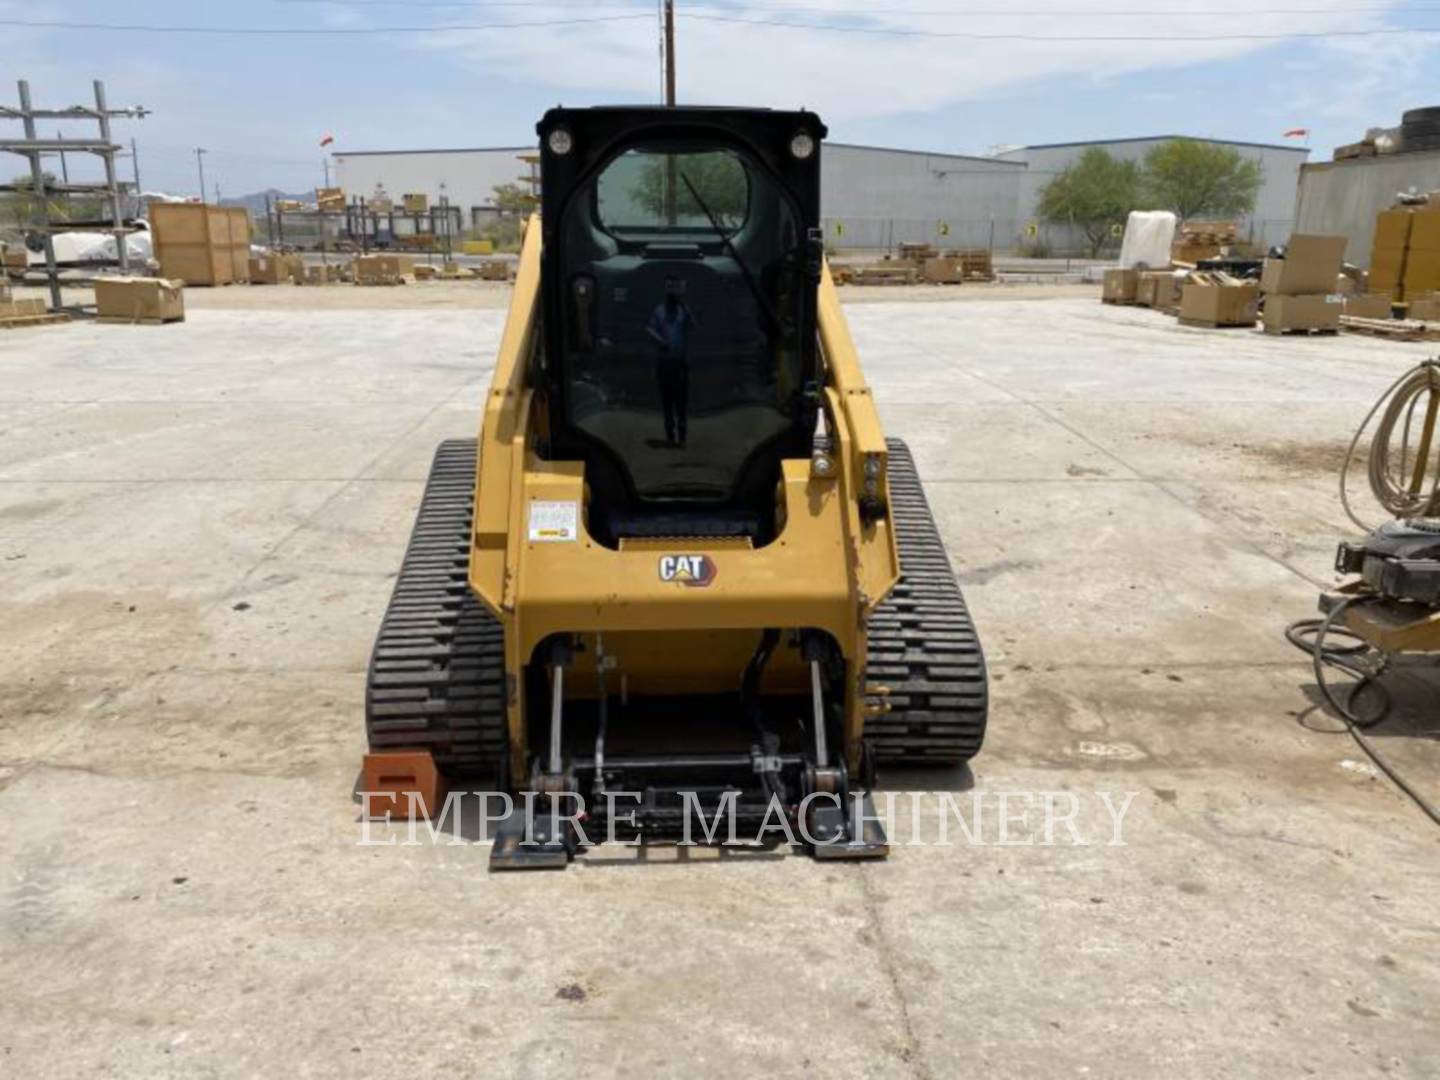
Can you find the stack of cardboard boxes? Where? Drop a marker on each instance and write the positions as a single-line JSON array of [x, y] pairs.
[[1300, 289], [1405, 259], [1422, 258]]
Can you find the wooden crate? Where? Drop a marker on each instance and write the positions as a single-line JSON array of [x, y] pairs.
[[201, 244]]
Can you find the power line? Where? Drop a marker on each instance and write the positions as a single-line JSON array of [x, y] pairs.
[[276, 31], [880, 12], [886, 31], [1062, 38]]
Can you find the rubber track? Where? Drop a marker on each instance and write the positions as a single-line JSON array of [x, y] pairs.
[[923, 646], [437, 674]]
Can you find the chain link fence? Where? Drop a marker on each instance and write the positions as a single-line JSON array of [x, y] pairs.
[[1009, 236]]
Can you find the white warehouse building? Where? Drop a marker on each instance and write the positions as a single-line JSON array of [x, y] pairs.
[[872, 197]]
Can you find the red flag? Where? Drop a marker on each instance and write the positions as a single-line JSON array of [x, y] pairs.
[[1297, 133], [327, 140]]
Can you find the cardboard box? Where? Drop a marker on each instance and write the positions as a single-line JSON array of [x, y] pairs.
[[1315, 312], [1387, 269], [21, 309], [1392, 229], [324, 274], [425, 273], [1425, 229], [383, 269], [1368, 305], [415, 202], [139, 299], [1118, 286], [1158, 289], [943, 270], [1220, 305], [1422, 272], [1311, 265], [1426, 308], [270, 269]]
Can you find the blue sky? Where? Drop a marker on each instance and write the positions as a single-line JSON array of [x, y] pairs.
[[260, 104]]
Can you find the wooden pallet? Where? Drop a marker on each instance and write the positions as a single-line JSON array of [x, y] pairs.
[[1302, 331], [121, 320], [15, 322], [1205, 324], [886, 275], [1393, 329]]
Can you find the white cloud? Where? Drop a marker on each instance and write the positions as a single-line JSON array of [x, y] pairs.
[[859, 76]]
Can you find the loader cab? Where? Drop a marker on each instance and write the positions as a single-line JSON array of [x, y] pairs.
[[681, 259]]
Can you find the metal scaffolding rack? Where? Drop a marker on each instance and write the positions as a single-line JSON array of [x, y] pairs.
[[33, 147]]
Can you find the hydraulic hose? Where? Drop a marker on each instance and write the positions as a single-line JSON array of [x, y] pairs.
[[1397, 474], [1309, 636]]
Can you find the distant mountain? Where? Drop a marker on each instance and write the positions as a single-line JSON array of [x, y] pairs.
[[256, 203]]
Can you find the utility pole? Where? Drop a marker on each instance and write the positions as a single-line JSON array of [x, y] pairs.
[[671, 180], [64, 169], [200, 162], [325, 161], [670, 52], [135, 164]]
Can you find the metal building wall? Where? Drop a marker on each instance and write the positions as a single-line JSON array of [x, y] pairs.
[[1343, 197], [1271, 223], [873, 197], [469, 176]]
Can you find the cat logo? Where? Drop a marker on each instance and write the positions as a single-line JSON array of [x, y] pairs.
[[697, 571]]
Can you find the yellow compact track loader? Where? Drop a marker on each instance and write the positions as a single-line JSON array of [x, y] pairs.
[[683, 562]]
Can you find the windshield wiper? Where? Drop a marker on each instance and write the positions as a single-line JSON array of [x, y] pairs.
[[770, 316]]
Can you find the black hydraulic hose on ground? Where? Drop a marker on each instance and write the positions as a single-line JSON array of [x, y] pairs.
[[1308, 635]]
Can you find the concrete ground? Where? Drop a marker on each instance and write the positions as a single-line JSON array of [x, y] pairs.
[[199, 525]]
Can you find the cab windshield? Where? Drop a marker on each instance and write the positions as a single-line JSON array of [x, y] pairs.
[[683, 267]]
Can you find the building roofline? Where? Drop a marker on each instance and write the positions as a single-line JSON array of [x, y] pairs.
[[530, 149], [1162, 138], [924, 153]]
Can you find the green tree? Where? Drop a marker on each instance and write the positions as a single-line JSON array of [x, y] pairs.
[[1094, 195], [1197, 179], [717, 177], [513, 199]]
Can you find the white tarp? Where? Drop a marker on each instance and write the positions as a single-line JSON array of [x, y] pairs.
[[1148, 236], [84, 247]]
